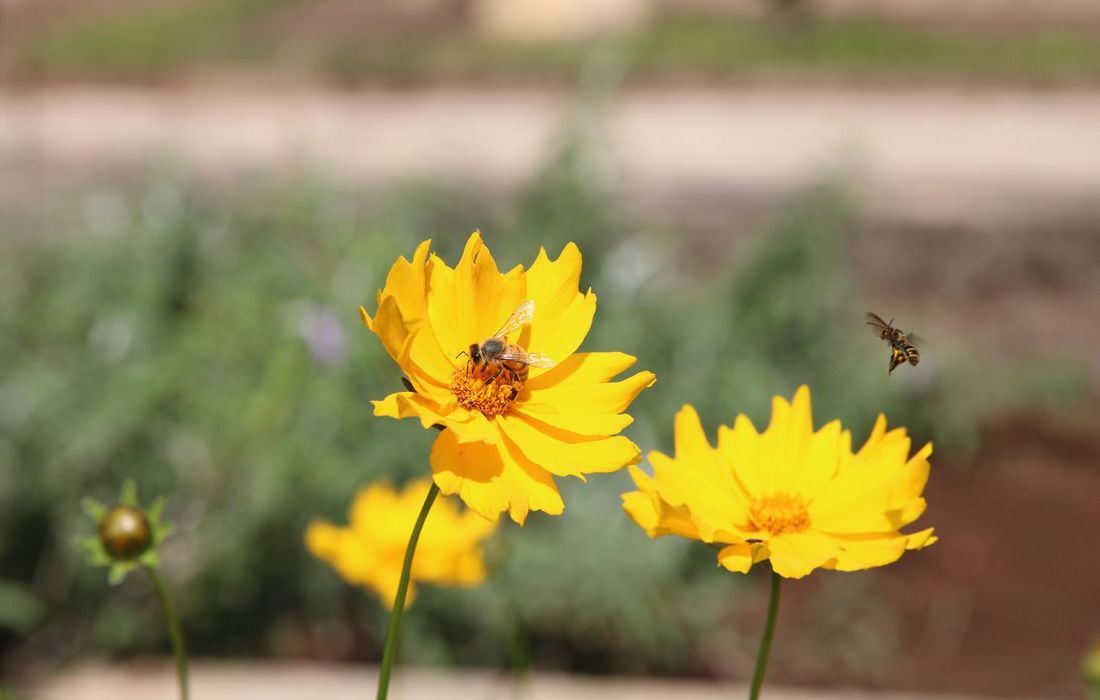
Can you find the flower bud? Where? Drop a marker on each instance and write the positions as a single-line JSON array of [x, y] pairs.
[[125, 532]]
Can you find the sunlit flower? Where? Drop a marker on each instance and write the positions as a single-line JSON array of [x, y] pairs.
[[503, 441], [370, 551], [799, 498]]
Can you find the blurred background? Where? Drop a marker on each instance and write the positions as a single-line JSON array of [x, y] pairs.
[[195, 196]]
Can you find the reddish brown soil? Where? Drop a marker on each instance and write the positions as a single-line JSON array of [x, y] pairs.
[[1009, 599]]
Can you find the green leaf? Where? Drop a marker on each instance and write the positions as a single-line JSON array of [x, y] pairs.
[[20, 610], [93, 508]]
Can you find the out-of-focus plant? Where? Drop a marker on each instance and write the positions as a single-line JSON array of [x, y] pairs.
[[127, 537], [1090, 671], [204, 348]]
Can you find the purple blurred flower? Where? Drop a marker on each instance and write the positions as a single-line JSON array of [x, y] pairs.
[[323, 333]]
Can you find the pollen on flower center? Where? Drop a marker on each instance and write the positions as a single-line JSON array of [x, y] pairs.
[[492, 397], [779, 513]]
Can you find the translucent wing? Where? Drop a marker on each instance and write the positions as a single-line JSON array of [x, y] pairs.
[[914, 340], [534, 359], [876, 322], [520, 317]]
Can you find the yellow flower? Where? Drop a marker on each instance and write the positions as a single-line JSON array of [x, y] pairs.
[[800, 498], [1091, 670], [370, 551], [504, 440]]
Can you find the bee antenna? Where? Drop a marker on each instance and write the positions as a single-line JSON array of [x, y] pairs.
[[461, 354]]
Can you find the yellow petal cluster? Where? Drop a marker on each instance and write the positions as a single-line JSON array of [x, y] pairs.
[[503, 442], [370, 551], [800, 498]]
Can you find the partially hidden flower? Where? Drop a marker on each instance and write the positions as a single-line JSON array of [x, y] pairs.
[[127, 535], [370, 551], [1090, 669], [797, 497], [504, 438]]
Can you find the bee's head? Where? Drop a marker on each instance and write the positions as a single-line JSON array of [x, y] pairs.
[[475, 352]]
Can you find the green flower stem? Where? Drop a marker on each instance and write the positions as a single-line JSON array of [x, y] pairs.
[[766, 640], [174, 632], [399, 602]]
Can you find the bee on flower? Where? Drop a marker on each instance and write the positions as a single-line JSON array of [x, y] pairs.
[[491, 358]]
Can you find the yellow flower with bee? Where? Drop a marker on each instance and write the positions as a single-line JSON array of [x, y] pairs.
[[369, 551], [799, 498], [491, 358]]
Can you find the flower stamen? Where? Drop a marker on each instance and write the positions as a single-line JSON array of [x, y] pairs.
[[490, 395], [779, 513]]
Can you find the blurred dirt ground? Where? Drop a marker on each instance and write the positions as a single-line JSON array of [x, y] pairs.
[[156, 681]]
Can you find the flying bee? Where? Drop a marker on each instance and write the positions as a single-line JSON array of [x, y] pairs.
[[495, 357], [902, 347]]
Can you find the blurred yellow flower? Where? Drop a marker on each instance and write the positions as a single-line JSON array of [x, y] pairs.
[[370, 551], [503, 439], [799, 498], [1090, 668]]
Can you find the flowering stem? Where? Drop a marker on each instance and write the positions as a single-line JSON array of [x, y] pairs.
[[399, 602], [173, 629], [766, 640]]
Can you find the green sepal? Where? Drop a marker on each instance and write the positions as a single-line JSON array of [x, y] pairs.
[[119, 570], [95, 554], [149, 559], [93, 508], [128, 497]]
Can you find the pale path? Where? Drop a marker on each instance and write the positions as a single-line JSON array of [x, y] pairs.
[[295, 681], [914, 151]]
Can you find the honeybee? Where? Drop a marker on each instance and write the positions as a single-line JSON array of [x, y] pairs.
[[902, 347], [495, 357]]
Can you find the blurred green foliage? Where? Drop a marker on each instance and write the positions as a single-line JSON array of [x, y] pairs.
[[211, 350], [167, 41]]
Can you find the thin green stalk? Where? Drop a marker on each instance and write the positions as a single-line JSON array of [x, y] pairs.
[[174, 632], [766, 640], [399, 602]]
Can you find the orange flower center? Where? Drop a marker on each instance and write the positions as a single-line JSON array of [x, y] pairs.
[[491, 396], [780, 513]]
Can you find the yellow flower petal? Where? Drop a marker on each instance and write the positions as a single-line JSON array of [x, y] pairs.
[[583, 368], [543, 444], [740, 557], [562, 314], [797, 554], [491, 480], [798, 497], [708, 487], [652, 514], [370, 551], [856, 553], [613, 397], [469, 303]]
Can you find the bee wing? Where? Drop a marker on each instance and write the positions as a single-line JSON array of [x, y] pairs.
[[876, 322], [534, 359], [520, 317], [914, 340]]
